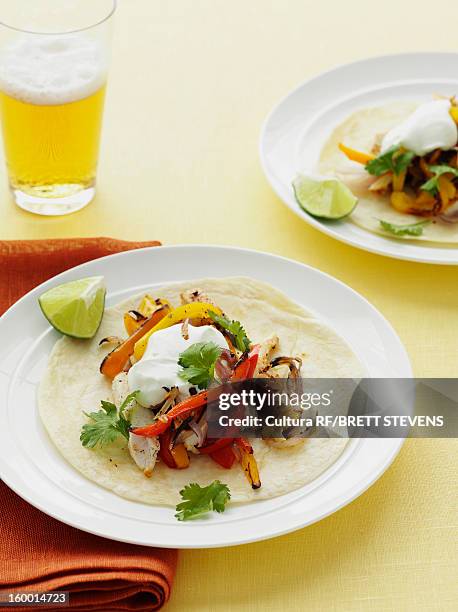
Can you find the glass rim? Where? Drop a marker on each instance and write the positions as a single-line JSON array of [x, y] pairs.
[[114, 5]]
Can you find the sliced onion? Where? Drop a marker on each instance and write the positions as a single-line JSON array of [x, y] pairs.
[[111, 340], [381, 183], [294, 364], [224, 365], [181, 429], [200, 429], [136, 316]]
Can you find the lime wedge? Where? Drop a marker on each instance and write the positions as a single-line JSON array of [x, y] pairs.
[[325, 198], [76, 308]]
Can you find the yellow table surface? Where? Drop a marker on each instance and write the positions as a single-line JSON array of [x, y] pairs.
[[191, 82]]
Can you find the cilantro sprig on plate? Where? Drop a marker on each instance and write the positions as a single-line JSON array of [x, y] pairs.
[[199, 500], [394, 160], [107, 424], [198, 363], [234, 329], [413, 229]]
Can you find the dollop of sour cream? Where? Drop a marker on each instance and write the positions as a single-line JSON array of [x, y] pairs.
[[429, 127], [158, 368]]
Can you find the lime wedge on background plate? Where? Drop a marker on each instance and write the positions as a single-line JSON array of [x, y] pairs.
[[75, 308], [327, 198]]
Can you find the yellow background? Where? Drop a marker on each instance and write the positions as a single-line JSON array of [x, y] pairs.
[[191, 83]]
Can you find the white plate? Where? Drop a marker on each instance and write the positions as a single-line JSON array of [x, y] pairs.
[[298, 127], [35, 470]]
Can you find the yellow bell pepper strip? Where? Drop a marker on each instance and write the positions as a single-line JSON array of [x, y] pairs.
[[447, 190], [148, 305], [115, 361], [398, 180], [248, 462], [425, 201], [163, 423], [133, 320], [245, 370], [402, 202], [354, 155], [195, 310], [180, 456], [454, 113]]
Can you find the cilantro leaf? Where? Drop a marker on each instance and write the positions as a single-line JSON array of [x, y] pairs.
[[432, 185], [402, 161], [234, 329], [198, 363], [107, 424], [199, 500], [394, 160], [414, 229]]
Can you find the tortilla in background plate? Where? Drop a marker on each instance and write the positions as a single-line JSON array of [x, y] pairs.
[[360, 131]]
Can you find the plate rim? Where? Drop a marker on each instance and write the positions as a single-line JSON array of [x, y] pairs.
[[316, 223], [356, 491], [43, 286]]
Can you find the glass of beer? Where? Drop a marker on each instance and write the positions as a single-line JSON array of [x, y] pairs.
[[54, 57]]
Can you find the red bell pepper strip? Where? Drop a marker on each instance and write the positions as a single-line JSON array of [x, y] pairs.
[[164, 449], [214, 446], [162, 424], [245, 369], [224, 456], [175, 457]]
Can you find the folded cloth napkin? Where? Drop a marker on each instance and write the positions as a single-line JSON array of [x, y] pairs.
[[37, 553]]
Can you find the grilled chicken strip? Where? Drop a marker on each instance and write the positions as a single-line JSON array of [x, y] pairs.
[[265, 354], [143, 450], [195, 295]]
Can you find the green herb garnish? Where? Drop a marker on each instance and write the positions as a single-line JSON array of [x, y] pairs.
[[199, 500], [414, 229], [198, 363], [234, 329], [394, 160], [432, 185], [107, 424]]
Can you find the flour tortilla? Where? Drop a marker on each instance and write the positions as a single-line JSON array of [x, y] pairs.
[[359, 132], [73, 385]]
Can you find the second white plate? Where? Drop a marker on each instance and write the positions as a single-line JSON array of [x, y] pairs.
[[298, 127]]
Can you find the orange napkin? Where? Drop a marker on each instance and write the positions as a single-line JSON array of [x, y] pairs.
[[37, 553]]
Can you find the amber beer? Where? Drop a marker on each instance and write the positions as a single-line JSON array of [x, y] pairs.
[[52, 90], [52, 149]]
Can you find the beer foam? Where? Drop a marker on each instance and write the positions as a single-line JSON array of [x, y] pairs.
[[50, 70]]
